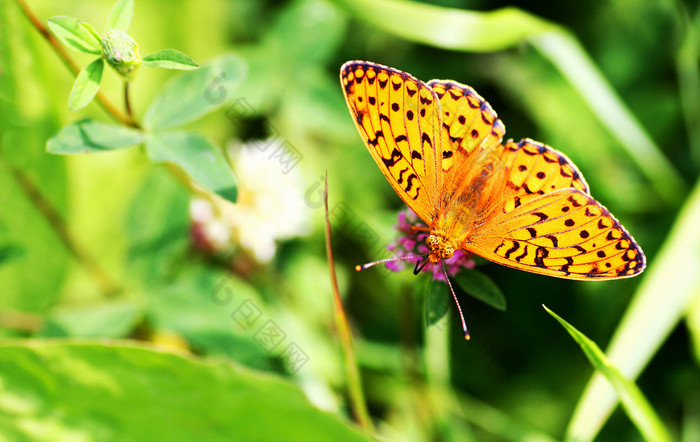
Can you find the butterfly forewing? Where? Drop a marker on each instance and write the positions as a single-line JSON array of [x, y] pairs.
[[398, 117], [469, 122]]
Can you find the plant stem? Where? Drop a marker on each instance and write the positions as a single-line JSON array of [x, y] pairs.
[[58, 224], [21, 321], [127, 101], [357, 400], [688, 74], [72, 65]]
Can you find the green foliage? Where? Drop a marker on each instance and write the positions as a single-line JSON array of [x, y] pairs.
[[669, 290], [196, 94], [482, 287], [97, 383], [102, 235], [192, 152], [197, 156], [87, 136], [636, 405], [170, 59], [75, 34], [117, 48], [86, 85], [120, 15], [437, 300]]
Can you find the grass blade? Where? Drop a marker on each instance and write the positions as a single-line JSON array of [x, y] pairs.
[[636, 405]]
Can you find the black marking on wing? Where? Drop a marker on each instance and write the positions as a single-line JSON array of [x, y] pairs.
[[395, 158], [516, 246]]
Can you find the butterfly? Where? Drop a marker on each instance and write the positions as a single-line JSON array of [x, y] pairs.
[[521, 204]]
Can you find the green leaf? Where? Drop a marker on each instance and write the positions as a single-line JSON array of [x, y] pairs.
[[120, 15], [88, 27], [170, 59], [202, 161], [90, 136], [103, 320], [66, 390], [482, 287], [635, 404], [8, 252], [86, 85], [195, 94], [437, 299], [450, 27], [669, 285], [71, 32]]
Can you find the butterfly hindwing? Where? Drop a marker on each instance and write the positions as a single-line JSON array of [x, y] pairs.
[[564, 233], [399, 118]]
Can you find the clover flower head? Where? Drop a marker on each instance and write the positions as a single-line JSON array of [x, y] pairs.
[[412, 242]]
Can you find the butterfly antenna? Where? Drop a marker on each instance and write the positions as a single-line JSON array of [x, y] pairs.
[[467, 336], [361, 267]]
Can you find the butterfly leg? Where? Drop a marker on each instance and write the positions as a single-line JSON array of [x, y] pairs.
[[420, 264]]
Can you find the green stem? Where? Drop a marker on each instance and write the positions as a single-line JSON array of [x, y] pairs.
[[21, 321], [108, 287], [688, 73], [357, 400], [127, 101]]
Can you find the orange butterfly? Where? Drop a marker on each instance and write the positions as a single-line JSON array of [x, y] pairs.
[[523, 205]]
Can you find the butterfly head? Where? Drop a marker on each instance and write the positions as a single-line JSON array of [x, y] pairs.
[[439, 247]]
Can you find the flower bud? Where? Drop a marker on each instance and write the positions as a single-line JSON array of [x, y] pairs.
[[121, 52]]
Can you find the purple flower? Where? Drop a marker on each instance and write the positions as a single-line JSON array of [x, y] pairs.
[[412, 242]]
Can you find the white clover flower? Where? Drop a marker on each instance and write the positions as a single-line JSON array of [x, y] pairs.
[[270, 204]]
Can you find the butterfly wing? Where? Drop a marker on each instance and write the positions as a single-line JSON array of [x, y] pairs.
[[398, 117], [546, 221], [564, 233], [469, 122]]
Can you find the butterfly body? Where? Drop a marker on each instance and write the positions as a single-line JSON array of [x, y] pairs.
[[520, 204]]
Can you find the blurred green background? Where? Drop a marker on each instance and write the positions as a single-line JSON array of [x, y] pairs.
[[237, 299]]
